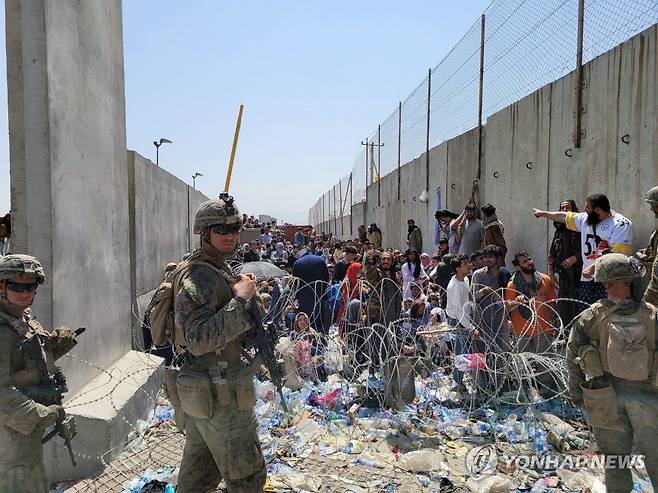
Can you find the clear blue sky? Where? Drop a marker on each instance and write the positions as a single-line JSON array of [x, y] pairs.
[[315, 77]]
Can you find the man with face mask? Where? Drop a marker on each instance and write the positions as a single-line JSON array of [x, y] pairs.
[[602, 230], [651, 294], [214, 311], [528, 296], [27, 353]]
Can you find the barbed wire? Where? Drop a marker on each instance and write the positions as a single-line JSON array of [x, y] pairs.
[[350, 386]]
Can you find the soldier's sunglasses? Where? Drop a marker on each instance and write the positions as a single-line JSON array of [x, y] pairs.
[[225, 229], [18, 287]]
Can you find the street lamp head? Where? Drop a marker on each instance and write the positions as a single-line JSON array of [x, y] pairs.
[[165, 141], [196, 174]]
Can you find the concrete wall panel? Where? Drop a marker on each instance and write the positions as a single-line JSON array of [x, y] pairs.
[[68, 164], [462, 169], [162, 219], [517, 171]]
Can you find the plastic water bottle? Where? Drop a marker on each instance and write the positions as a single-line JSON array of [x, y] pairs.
[[170, 489], [540, 441]]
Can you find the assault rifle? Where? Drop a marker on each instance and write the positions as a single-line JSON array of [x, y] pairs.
[[50, 392], [264, 338]]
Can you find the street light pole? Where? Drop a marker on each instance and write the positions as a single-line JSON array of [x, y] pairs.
[[194, 179], [157, 145]]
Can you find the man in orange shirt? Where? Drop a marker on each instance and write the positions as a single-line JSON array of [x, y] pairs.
[[529, 298]]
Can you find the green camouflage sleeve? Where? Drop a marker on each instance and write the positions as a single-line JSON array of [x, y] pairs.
[[577, 338], [17, 411], [206, 329], [651, 294]]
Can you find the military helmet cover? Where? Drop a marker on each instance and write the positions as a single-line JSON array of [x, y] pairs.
[[21, 265], [216, 211], [614, 267], [651, 197]]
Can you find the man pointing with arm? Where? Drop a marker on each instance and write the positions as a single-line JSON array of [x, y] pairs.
[[602, 230]]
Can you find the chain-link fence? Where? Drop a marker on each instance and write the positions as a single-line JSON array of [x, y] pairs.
[[516, 47]]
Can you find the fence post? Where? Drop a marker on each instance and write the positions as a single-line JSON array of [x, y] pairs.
[[579, 74], [340, 196], [379, 165], [399, 142], [427, 135], [351, 204], [481, 94]]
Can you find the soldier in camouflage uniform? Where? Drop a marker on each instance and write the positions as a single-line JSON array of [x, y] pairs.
[[651, 294], [612, 361], [23, 420], [213, 312]]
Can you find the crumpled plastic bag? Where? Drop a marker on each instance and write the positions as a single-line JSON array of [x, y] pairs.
[[421, 461], [581, 481], [491, 484], [295, 481]]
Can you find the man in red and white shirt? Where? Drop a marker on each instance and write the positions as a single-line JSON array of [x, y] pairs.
[[602, 230]]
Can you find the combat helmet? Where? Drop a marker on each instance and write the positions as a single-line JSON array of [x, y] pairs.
[[614, 267], [21, 265], [216, 211], [651, 197]]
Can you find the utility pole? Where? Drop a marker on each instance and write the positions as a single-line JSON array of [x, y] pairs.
[[372, 145]]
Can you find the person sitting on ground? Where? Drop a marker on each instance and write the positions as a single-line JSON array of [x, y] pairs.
[[279, 256], [306, 350]]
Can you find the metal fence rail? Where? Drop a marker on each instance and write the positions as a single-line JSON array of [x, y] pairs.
[[516, 47]]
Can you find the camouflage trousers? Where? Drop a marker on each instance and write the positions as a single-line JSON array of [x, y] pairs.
[[21, 462], [224, 446], [23, 479], [636, 405]]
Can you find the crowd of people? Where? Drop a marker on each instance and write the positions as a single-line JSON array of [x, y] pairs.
[[488, 301]]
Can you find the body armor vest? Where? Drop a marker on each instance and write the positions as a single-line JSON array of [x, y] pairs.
[[627, 342]]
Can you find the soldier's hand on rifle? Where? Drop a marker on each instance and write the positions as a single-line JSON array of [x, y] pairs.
[[245, 287], [54, 413]]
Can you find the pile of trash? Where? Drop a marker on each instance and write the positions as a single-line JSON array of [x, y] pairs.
[[430, 438], [436, 442]]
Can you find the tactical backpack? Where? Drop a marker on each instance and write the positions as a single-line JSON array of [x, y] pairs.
[[159, 314]]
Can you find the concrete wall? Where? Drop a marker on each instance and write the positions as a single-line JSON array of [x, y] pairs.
[[529, 159], [69, 187], [163, 207]]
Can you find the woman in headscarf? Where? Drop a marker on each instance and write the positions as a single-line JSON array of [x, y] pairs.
[[279, 256], [412, 272], [350, 289], [306, 350]]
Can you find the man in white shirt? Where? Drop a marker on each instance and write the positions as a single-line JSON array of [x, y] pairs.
[[602, 230], [458, 294]]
